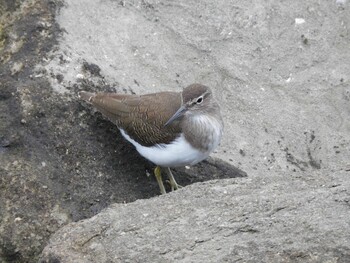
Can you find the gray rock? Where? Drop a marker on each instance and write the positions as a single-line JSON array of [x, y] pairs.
[[249, 220], [279, 69], [58, 161]]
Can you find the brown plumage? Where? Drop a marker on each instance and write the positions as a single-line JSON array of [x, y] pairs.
[[142, 117], [168, 128]]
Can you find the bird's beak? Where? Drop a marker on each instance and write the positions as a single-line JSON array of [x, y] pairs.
[[177, 115]]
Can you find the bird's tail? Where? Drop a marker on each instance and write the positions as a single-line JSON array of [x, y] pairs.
[[87, 96]]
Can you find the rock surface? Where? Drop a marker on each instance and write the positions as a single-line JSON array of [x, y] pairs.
[[59, 161], [233, 220], [280, 70]]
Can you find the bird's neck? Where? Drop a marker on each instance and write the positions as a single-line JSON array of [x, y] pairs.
[[203, 131]]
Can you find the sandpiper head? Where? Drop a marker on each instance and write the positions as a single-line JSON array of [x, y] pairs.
[[196, 99]]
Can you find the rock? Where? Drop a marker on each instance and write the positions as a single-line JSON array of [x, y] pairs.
[[283, 90], [17, 67], [249, 220], [59, 163]]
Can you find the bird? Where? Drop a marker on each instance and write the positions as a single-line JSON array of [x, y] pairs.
[[170, 129]]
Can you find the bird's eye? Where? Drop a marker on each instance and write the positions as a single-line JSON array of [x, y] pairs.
[[199, 100]]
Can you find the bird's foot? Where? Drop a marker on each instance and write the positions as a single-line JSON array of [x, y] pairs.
[[158, 174], [173, 184]]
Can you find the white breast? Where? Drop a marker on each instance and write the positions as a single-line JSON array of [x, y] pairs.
[[178, 153]]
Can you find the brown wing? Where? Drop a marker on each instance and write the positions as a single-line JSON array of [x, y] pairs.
[[141, 117]]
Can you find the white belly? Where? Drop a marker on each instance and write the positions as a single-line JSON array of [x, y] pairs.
[[178, 153]]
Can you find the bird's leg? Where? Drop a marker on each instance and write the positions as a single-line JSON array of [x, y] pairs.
[[173, 183], [158, 174]]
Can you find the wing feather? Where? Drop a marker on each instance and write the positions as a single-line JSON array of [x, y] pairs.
[[141, 117]]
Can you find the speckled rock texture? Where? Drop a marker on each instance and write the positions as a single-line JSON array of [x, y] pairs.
[[233, 220], [277, 188]]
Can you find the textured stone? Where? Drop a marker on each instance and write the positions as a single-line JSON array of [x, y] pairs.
[[250, 220], [284, 91]]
